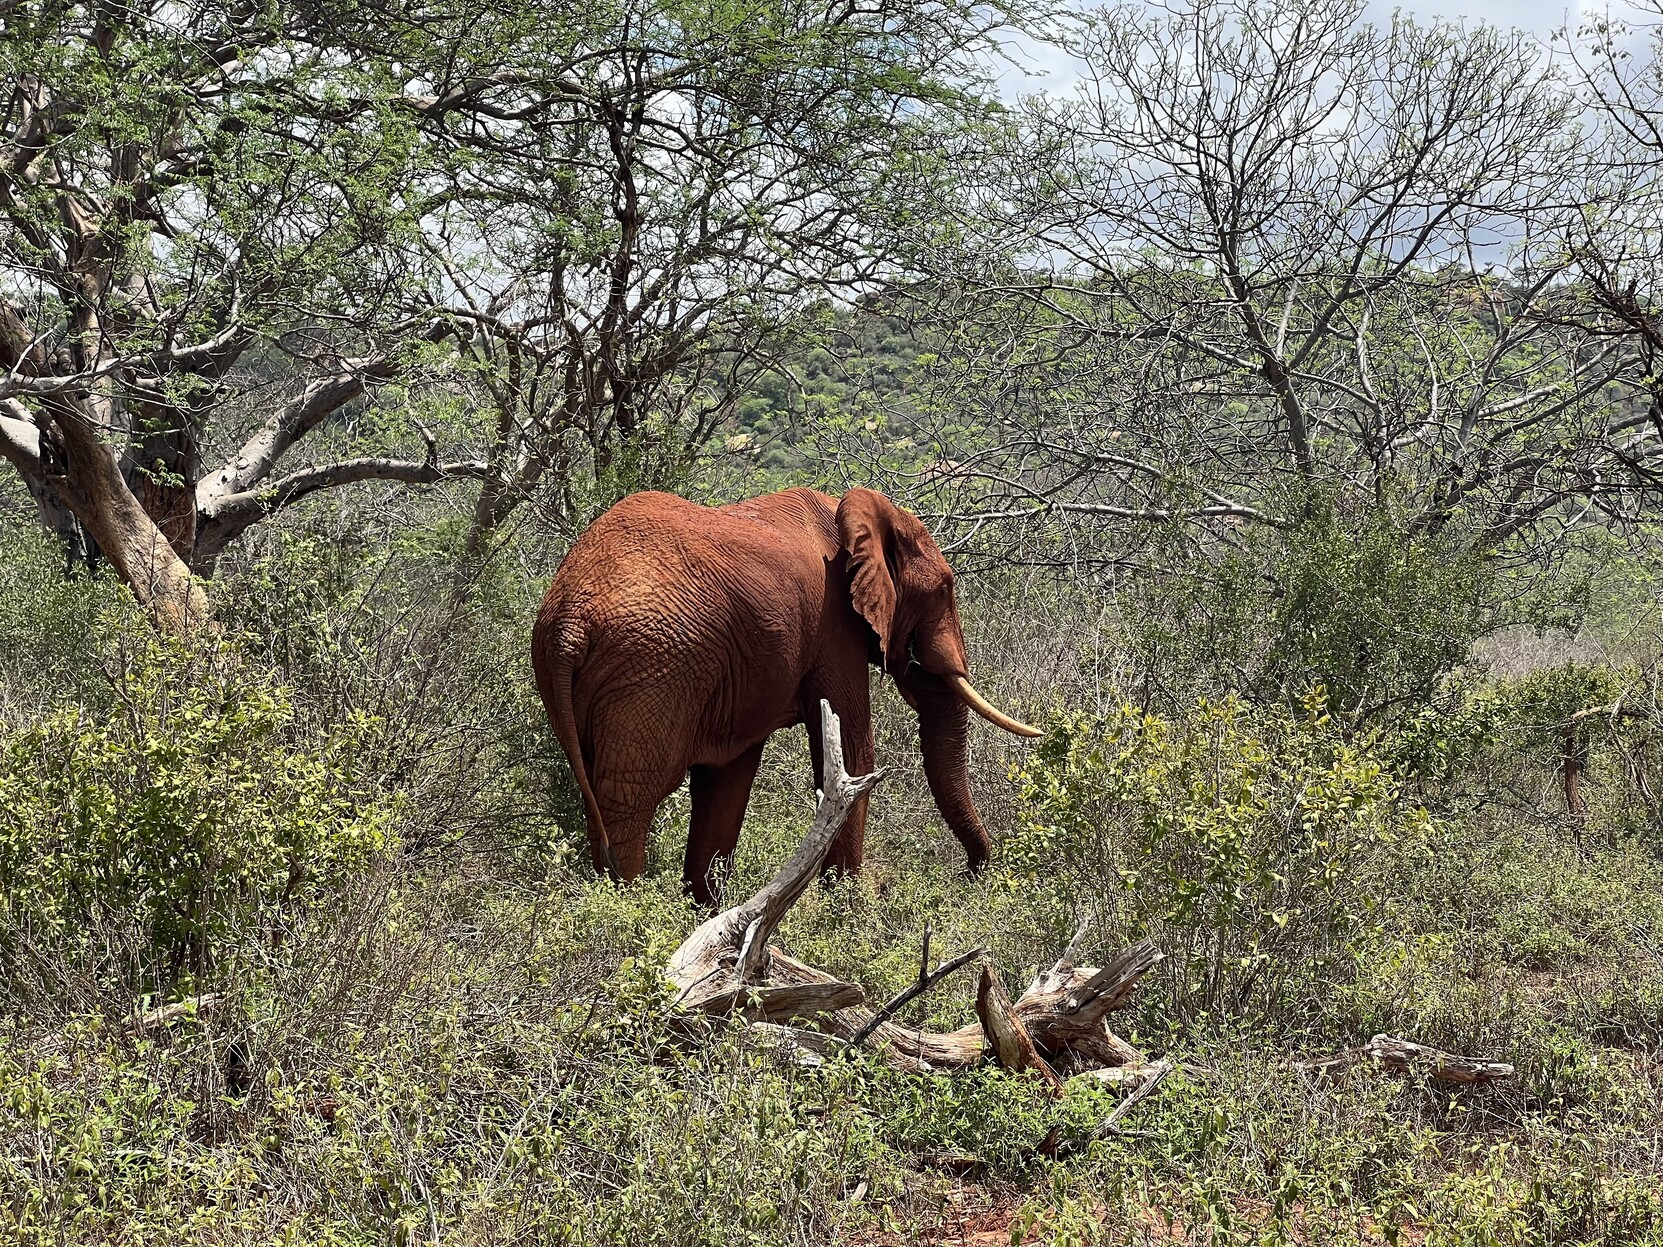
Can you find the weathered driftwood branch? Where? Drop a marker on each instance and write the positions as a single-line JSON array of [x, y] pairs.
[[1155, 1075], [721, 968], [1080, 1038], [727, 967], [1079, 1035], [1405, 1057]]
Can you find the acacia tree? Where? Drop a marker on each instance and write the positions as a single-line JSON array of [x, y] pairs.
[[222, 229], [634, 231], [201, 256]]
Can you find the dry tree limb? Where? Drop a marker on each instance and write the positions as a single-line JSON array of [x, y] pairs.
[[1061, 1016], [1404, 1057], [730, 951], [1123, 1075], [927, 979], [1142, 1079], [726, 967], [907, 1048], [923, 1051], [165, 1015], [803, 1046], [1012, 1046], [1050, 981], [1155, 1075], [769, 1002], [1066, 1007]]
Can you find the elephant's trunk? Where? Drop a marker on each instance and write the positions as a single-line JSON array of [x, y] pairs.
[[944, 735]]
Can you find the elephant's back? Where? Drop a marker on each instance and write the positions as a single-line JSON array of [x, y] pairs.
[[656, 550], [664, 590]]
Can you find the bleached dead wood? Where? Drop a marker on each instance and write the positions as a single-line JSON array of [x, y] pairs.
[[165, 1015], [927, 978], [728, 967], [1011, 1045], [1404, 1057], [1119, 1075], [1066, 1008], [1153, 1077], [721, 968]]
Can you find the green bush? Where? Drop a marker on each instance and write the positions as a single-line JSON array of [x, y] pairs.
[[1377, 615], [1482, 738], [1243, 841], [185, 817], [46, 618]]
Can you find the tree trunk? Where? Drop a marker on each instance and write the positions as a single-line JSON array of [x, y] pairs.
[[161, 467], [136, 546]]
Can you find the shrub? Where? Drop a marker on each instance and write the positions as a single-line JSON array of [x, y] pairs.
[[45, 620], [186, 817], [1377, 615], [1242, 841]]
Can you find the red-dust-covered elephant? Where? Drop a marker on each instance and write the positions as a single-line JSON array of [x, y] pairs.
[[678, 638]]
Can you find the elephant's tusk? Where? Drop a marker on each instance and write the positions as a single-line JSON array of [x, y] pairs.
[[968, 694]]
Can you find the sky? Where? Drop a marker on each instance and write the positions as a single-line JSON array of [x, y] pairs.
[[1049, 70]]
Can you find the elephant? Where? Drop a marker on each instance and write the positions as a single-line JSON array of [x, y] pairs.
[[676, 638]]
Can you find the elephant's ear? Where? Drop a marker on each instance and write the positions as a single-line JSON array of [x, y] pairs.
[[864, 529]]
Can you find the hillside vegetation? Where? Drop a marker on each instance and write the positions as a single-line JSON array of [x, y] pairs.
[[1285, 394], [418, 1017]]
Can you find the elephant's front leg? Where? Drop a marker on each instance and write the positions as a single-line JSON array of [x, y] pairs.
[[848, 851], [720, 794]]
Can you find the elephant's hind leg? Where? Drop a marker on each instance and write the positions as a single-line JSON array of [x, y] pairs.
[[629, 794], [720, 794]]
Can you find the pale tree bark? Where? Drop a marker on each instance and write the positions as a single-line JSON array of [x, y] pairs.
[[91, 485]]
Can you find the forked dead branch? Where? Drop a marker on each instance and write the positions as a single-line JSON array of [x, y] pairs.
[[727, 967], [1058, 1027]]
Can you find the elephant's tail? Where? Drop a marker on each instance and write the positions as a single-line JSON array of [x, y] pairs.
[[555, 664]]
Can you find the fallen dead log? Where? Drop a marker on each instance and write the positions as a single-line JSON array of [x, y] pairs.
[[727, 967], [1404, 1057], [1078, 1037]]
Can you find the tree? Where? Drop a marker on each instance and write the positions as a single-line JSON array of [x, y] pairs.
[[200, 254], [637, 231], [1272, 255], [224, 230]]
